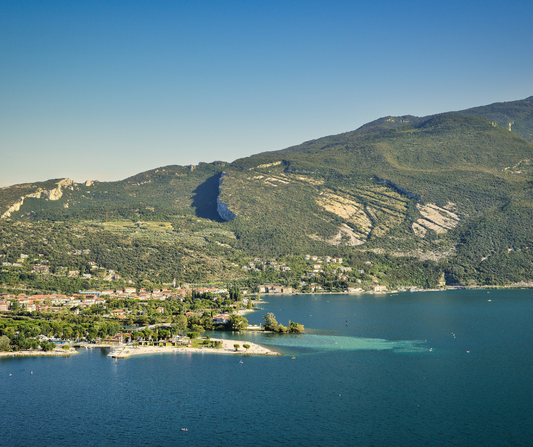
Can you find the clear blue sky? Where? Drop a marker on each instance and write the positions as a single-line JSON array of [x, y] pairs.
[[106, 89]]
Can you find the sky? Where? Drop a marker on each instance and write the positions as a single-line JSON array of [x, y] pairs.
[[103, 90]]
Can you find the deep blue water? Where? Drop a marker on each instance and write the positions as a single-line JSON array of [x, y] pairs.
[[412, 369]]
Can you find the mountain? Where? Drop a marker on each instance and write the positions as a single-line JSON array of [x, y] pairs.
[[515, 115], [417, 197]]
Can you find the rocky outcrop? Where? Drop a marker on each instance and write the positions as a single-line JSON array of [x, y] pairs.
[[57, 193], [52, 194], [434, 218], [17, 205]]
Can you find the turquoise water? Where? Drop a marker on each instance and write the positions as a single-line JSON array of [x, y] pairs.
[[416, 369]]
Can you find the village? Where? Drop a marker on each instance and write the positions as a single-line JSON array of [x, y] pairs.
[[315, 267], [313, 274]]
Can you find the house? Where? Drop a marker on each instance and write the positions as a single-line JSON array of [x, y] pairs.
[[220, 319], [130, 290], [161, 310], [354, 290], [378, 288], [277, 289], [4, 306]]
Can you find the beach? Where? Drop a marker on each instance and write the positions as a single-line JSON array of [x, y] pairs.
[[35, 352], [227, 348], [125, 351]]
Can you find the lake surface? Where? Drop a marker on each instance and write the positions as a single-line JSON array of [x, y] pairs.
[[448, 368]]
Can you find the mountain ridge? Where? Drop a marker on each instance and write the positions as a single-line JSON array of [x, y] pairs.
[[440, 187]]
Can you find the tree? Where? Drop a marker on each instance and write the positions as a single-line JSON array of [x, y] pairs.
[[164, 334], [92, 333], [237, 323], [236, 346], [295, 328], [246, 346], [181, 322], [47, 345], [4, 343], [197, 328], [271, 323]]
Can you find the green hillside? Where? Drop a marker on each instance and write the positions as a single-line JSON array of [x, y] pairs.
[[517, 113], [448, 196]]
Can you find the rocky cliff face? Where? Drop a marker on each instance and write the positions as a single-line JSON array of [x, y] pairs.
[[52, 194], [224, 212], [222, 208]]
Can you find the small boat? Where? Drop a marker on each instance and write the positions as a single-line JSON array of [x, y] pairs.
[[293, 358], [184, 429], [241, 361]]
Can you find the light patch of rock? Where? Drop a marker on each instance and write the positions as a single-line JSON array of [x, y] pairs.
[[52, 194], [435, 218], [345, 232], [267, 165], [419, 230], [347, 209]]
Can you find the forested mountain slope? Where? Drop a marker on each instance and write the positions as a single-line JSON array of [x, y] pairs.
[[453, 189]]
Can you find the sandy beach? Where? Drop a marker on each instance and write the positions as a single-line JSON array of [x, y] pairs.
[[36, 352], [227, 348], [125, 351]]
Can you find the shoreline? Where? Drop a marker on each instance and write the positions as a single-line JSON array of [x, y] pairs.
[[125, 351], [34, 353]]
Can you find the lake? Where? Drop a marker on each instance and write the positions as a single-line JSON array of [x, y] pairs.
[[447, 368]]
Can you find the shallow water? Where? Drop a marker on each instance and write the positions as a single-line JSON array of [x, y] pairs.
[[432, 368]]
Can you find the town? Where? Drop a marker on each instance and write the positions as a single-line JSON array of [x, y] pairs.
[[311, 274]]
